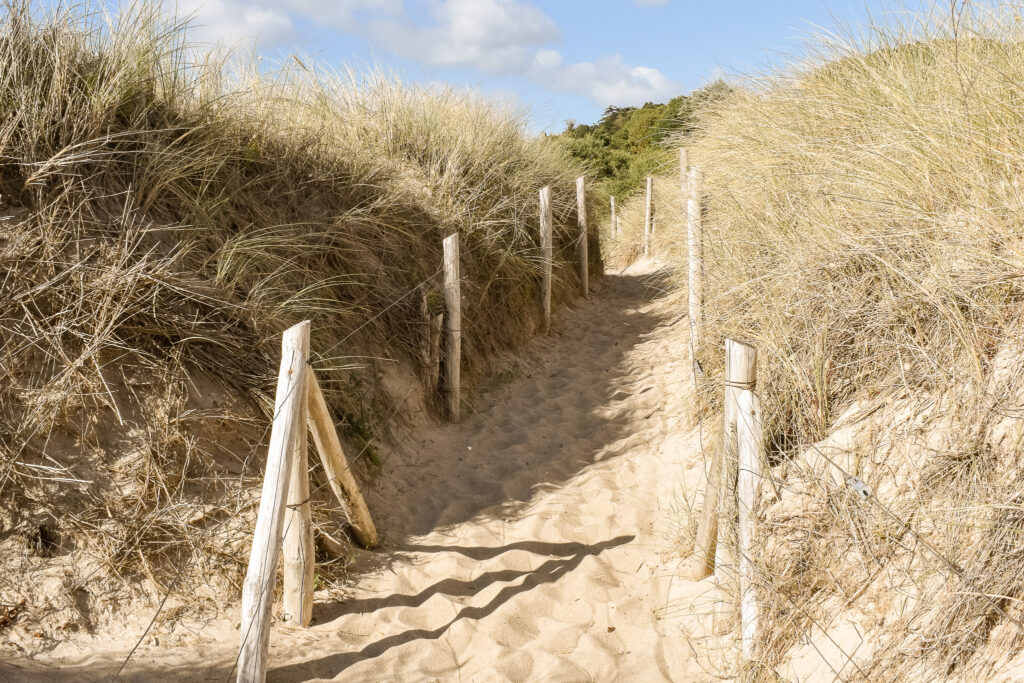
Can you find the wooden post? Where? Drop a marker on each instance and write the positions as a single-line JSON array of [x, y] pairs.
[[299, 558], [748, 437], [695, 269], [258, 589], [740, 370], [453, 325], [339, 476], [740, 375], [546, 253], [615, 226], [430, 345], [647, 217], [581, 219]]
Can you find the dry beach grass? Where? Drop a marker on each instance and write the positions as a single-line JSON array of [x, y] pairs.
[[166, 214], [863, 213]]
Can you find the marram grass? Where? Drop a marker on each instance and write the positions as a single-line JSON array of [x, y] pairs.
[[864, 228], [166, 215]]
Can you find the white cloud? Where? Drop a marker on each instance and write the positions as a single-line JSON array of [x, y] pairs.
[[607, 80], [509, 37], [231, 21], [495, 36], [342, 14], [650, 3], [269, 22]]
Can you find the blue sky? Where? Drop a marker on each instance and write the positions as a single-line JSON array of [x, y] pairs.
[[564, 59]]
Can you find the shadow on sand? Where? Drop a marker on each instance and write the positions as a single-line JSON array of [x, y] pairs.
[[569, 556]]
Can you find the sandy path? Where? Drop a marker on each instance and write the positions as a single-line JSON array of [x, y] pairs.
[[537, 541], [544, 522]]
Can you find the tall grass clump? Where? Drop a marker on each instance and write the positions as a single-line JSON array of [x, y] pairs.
[[165, 216], [863, 228]]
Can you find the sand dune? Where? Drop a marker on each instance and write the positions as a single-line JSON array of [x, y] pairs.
[[531, 542]]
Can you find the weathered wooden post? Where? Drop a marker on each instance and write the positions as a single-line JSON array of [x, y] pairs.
[[581, 219], [748, 437], [695, 269], [430, 344], [740, 371], [615, 226], [453, 325], [647, 216], [702, 562], [258, 589], [546, 253], [299, 559], [339, 476], [740, 375]]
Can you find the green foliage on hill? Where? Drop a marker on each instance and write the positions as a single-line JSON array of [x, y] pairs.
[[625, 145]]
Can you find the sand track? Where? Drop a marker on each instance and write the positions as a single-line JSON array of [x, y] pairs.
[[531, 542]]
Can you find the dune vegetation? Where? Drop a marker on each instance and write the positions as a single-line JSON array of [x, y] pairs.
[[862, 227], [166, 214], [628, 143]]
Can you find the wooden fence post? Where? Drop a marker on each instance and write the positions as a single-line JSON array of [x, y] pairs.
[[297, 548], [695, 268], [339, 476], [258, 589], [546, 253], [615, 227], [430, 344], [748, 437], [740, 375], [453, 325], [647, 216], [581, 219], [740, 370]]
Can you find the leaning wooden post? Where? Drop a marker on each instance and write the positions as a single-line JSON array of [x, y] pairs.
[[647, 216], [546, 253], [299, 560], [615, 227], [740, 375], [339, 476], [748, 437], [695, 271], [258, 589], [453, 324], [740, 370], [702, 562], [581, 219]]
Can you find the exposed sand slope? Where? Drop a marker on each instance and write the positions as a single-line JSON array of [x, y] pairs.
[[536, 534]]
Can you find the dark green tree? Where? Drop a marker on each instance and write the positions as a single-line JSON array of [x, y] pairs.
[[626, 144]]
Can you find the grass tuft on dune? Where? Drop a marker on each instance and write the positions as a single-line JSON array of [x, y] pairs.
[[863, 213], [166, 214]]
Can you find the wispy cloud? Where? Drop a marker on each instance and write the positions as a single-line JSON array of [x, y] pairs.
[[232, 21], [606, 80], [493, 37]]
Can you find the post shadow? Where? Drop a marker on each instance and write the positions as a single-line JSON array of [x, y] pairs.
[[572, 554]]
